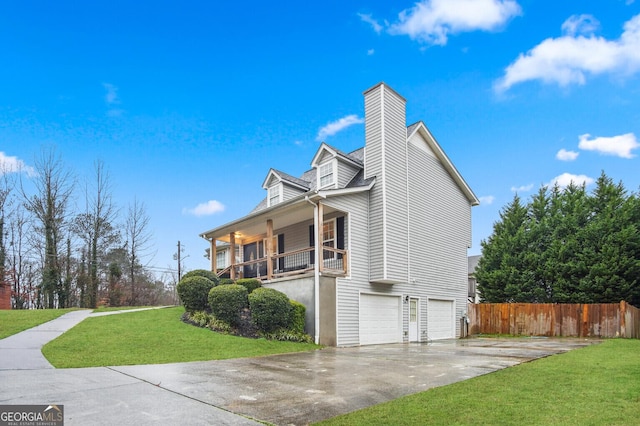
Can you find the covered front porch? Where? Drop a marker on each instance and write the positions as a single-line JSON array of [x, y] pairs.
[[297, 237]]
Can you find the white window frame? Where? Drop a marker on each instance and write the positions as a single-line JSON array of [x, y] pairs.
[[271, 196], [274, 247], [224, 254], [333, 240], [323, 173]]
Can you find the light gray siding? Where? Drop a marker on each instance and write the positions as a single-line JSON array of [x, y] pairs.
[[440, 230], [346, 172], [373, 167], [386, 158], [272, 180], [439, 224], [348, 289], [296, 236], [289, 192]]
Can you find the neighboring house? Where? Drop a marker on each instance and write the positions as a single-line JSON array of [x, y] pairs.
[[474, 295], [374, 242]]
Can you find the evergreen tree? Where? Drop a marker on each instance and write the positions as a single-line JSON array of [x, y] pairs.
[[565, 246], [498, 272]]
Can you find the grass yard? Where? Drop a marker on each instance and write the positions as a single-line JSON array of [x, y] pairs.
[[119, 308], [16, 320], [596, 385], [152, 337]]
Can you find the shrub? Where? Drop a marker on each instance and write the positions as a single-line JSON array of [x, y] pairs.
[[193, 292], [270, 309], [250, 283], [200, 318], [283, 335], [227, 302], [297, 316], [202, 273], [225, 281]]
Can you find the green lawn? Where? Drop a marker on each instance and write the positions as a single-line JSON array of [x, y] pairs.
[[596, 385], [152, 337], [120, 308], [17, 320]]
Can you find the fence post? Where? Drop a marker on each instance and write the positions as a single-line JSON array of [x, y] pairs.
[[623, 314]]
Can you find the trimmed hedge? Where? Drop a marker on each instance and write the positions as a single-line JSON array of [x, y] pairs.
[[225, 281], [250, 283], [270, 309], [227, 302], [193, 292], [202, 273], [297, 316]]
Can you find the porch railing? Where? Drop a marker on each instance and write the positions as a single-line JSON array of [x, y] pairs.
[[334, 261]]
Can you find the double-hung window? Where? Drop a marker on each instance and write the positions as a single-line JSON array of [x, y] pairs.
[[221, 259], [275, 194], [329, 237], [326, 176]]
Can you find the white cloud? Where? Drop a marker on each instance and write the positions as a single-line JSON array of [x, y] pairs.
[[111, 97], [619, 146], [370, 52], [523, 188], [335, 126], [487, 199], [580, 24], [11, 164], [564, 155], [431, 21], [566, 178], [367, 18], [569, 59], [205, 209]]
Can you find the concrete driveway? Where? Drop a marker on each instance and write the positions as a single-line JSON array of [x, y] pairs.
[[281, 389]]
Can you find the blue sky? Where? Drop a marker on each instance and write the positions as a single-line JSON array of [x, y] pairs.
[[189, 104]]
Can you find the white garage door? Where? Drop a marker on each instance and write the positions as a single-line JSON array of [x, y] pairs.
[[440, 319], [380, 319]]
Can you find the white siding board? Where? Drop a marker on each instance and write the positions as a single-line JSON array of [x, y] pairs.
[[346, 173], [440, 229], [289, 192], [348, 289]]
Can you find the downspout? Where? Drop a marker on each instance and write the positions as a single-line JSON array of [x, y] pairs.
[[316, 275]]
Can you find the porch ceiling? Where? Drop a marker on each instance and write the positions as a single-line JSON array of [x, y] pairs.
[[283, 215]]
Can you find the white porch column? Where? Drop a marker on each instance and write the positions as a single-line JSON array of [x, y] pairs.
[[320, 237]]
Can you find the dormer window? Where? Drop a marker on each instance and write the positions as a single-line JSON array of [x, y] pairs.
[[326, 175], [275, 194]]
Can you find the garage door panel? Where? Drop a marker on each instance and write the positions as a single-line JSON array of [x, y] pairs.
[[440, 319], [380, 319]]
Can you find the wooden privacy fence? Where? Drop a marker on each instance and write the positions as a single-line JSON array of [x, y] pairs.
[[549, 319]]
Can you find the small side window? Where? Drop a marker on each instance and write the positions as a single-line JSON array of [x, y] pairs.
[[326, 175], [274, 194]]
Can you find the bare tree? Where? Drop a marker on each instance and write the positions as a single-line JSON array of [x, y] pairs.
[[17, 259], [95, 228], [138, 243], [7, 184], [53, 190]]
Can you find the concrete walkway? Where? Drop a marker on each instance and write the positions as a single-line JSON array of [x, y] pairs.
[[96, 396], [288, 389], [23, 351]]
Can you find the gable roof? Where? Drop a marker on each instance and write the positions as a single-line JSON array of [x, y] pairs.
[[284, 177], [334, 152], [420, 127]]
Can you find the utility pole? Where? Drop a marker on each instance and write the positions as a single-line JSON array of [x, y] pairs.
[[179, 270]]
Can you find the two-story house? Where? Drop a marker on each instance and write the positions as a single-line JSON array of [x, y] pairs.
[[374, 242]]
